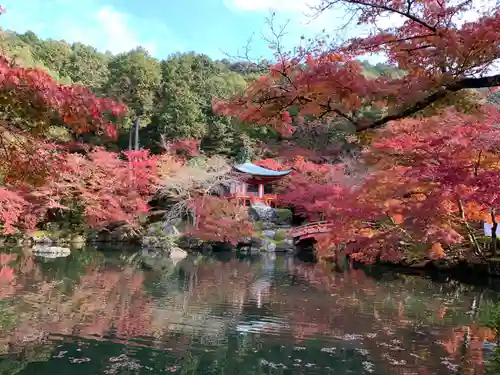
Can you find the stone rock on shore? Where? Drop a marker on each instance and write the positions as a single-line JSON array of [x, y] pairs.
[[262, 212]]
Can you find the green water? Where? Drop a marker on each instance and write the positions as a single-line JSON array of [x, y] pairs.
[[92, 313]]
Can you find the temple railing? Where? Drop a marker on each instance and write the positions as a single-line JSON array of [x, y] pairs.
[[251, 198], [309, 230]]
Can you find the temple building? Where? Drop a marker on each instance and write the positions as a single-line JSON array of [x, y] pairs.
[[254, 185]]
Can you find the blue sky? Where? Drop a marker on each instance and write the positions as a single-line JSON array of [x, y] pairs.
[[167, 26], [161, 26]]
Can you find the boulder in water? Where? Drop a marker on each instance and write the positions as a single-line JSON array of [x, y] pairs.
[[51, 251], [77, 241], [177, 254], [268, 246], [160, 236]]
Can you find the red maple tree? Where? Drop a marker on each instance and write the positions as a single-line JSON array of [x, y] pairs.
[[220, 220], [32, 102], [111, 188], [439, 56], [429, 176], [183, 148], [308, 183], [431, 179], [38, 174]]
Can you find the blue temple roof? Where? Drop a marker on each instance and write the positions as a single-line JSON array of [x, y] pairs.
[[255, 170]]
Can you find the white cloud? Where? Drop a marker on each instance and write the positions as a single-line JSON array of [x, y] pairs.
[[118, 33], [88, 21], [108, 30]]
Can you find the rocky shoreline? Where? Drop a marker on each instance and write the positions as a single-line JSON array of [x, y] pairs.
[[272, 235], [276, 241]]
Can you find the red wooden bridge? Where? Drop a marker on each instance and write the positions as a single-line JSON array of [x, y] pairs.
[[309, 230]]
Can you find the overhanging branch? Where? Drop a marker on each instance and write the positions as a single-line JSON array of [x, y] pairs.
[[466, 83]]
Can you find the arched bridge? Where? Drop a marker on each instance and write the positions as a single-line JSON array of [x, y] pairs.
[[309, 230]]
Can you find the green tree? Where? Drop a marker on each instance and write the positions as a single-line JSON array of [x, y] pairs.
[[16, 48], [24, 50], [220, 137], [134, 78], [179, 114], [184, 98], [190, 82], [55, 55], [494, 97], [87, 66], [30, 38]]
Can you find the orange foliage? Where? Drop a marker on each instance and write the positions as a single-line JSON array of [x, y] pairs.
[[436, 251], [439, 53], [415, 198], [221, 220]]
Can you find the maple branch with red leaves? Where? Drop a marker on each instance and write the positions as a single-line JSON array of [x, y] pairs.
[[427, 183], [439, 57], [467, 83]]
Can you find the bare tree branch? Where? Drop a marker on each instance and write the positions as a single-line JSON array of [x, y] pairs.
[[329, 4], [193, 180]]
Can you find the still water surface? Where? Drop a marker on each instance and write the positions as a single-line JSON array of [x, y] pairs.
[[91, 314]]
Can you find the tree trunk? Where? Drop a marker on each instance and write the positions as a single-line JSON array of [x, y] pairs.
[[130, 136], [137, 124], [470, 232], [493, 232]]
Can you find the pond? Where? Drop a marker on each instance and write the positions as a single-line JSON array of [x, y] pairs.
[[98, 313]]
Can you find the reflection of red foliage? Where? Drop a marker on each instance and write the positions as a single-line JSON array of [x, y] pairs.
[[475, 336], [5, 259], [6, 275], [109, 301], [385, 327], [109, 298]]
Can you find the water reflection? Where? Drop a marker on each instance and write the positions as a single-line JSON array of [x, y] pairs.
[[92, 313]]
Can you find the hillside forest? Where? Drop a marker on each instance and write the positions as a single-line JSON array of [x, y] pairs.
[[401, 159]]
